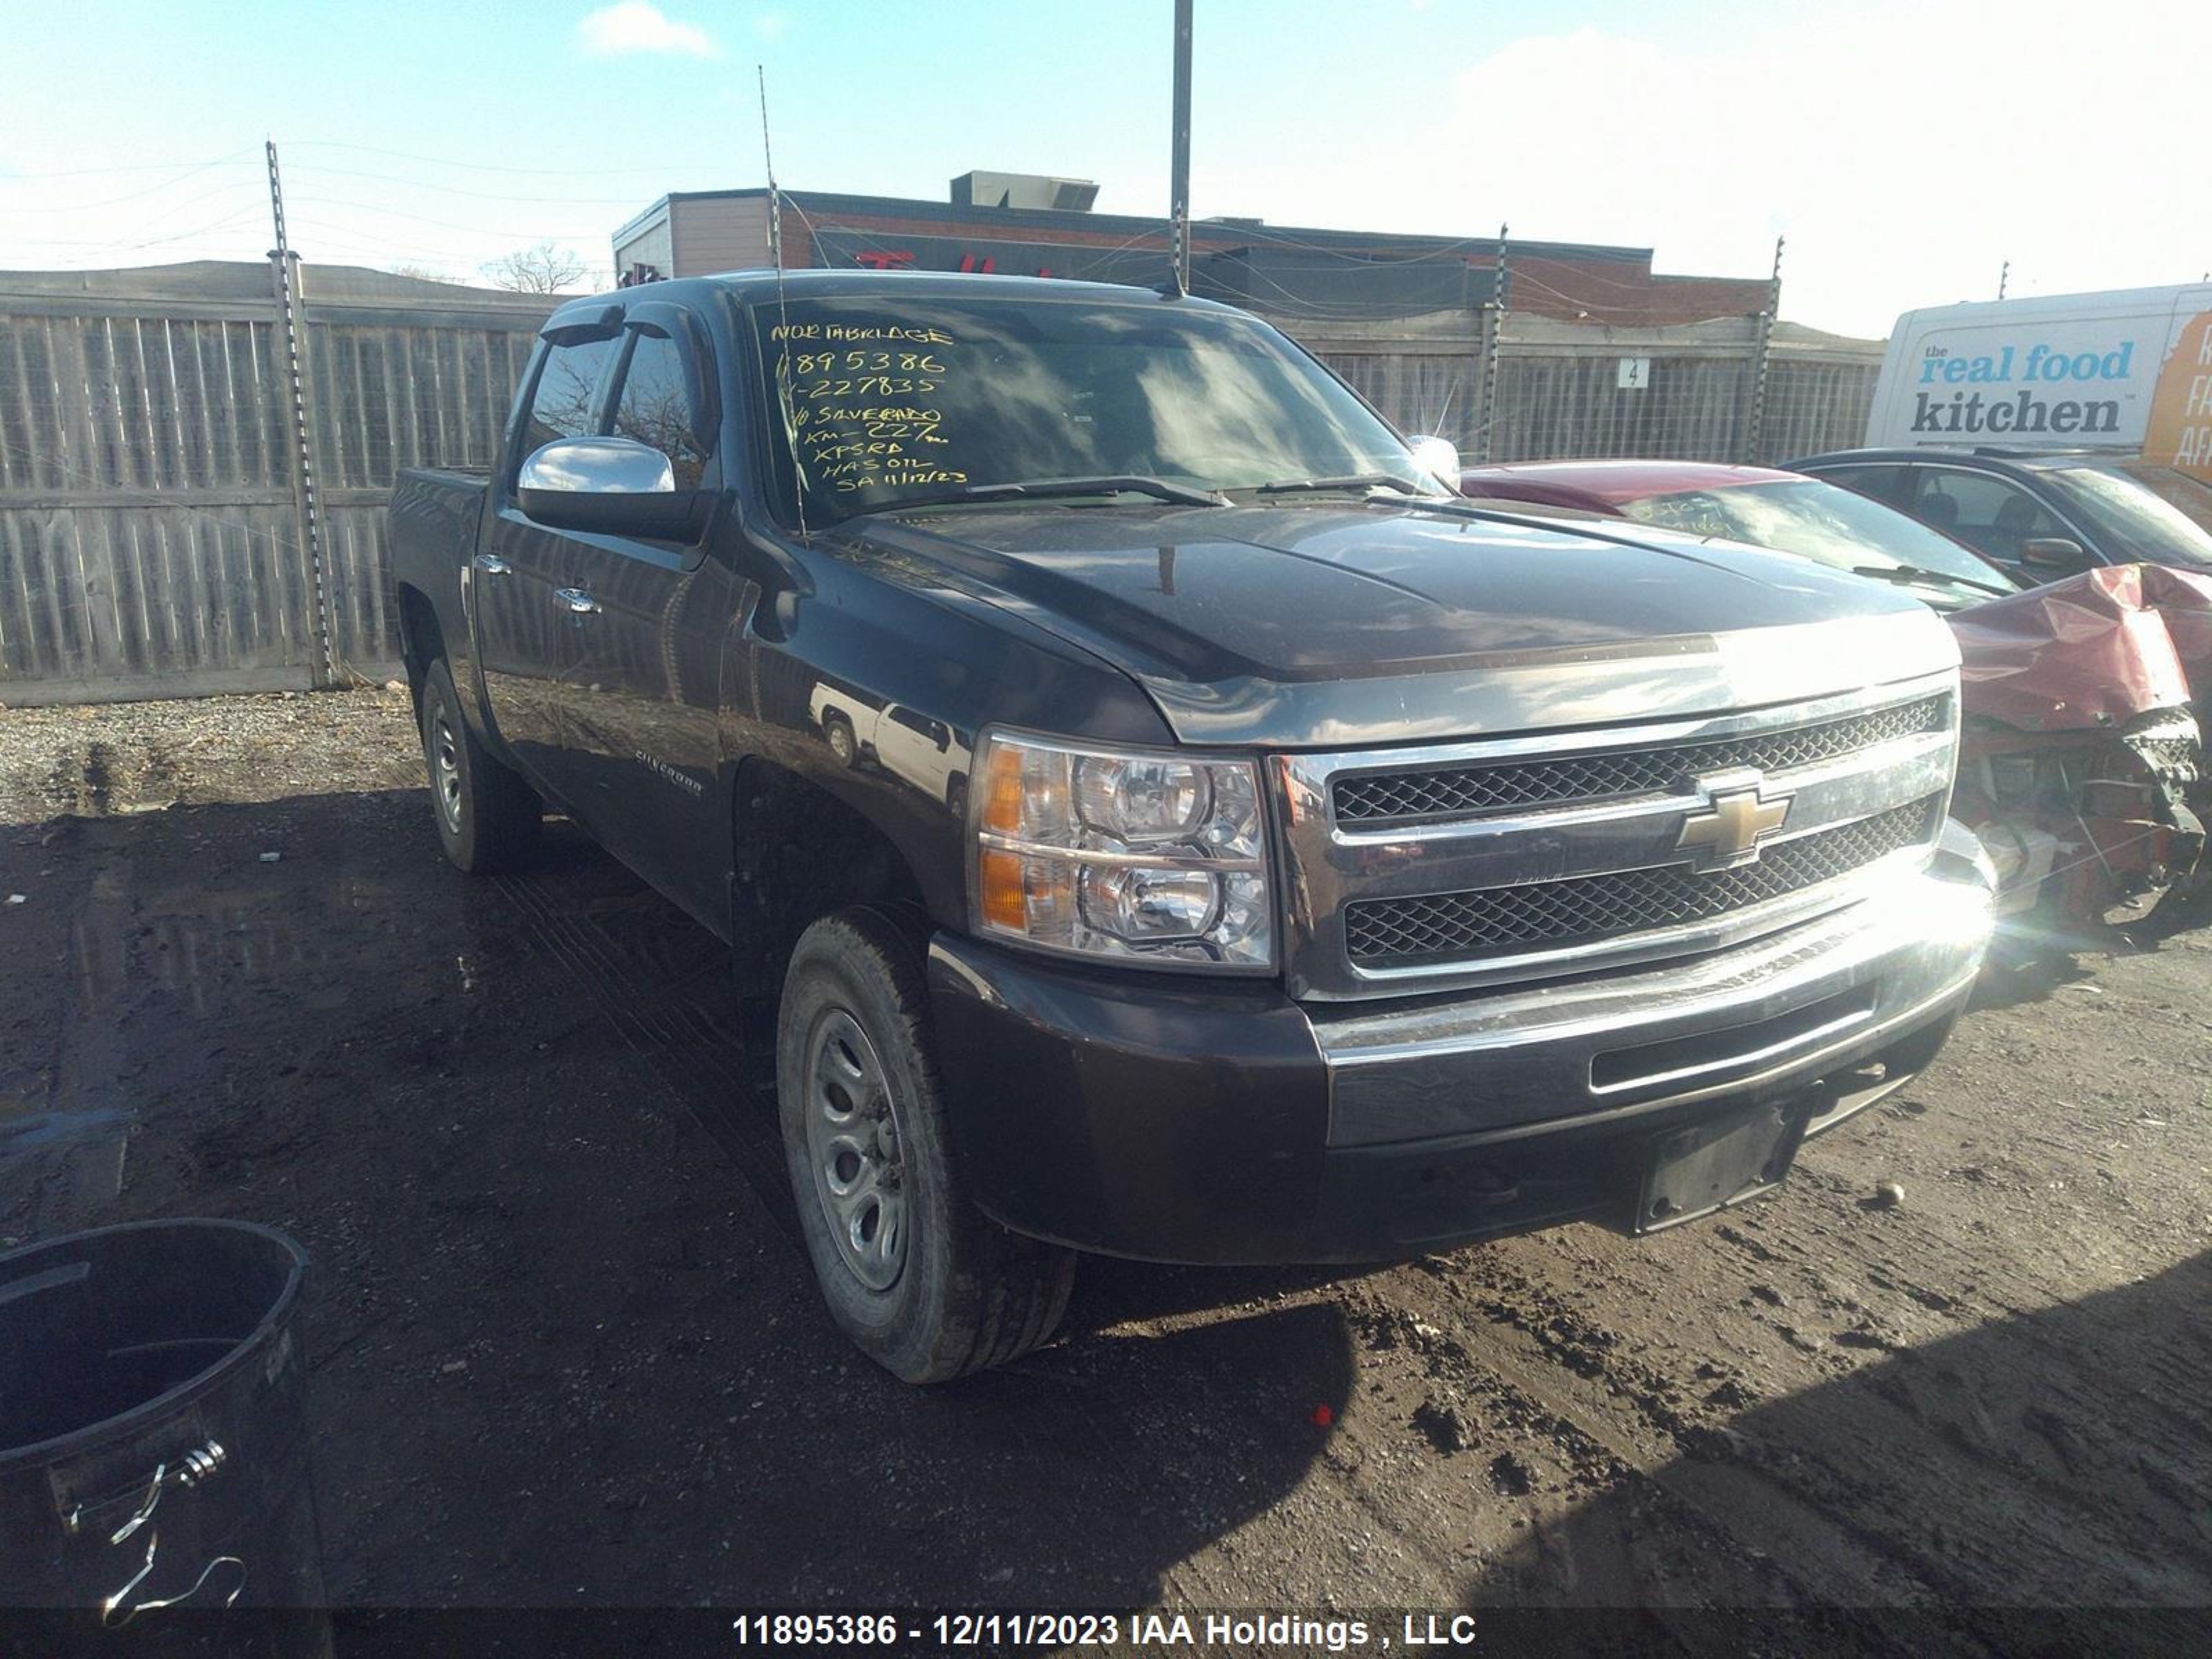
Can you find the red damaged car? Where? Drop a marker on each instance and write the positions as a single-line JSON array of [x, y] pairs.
[[2080, 762]]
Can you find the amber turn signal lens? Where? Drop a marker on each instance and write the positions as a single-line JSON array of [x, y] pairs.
[[1002, 794], [1004, 905]]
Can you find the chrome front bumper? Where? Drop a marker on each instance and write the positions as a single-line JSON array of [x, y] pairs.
[[1794, 1007]]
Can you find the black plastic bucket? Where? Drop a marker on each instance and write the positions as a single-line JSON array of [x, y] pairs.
[[153, 1439]]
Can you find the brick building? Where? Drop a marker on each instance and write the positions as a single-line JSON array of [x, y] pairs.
[[1021, 223]]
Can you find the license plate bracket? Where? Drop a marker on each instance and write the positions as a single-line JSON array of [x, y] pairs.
[[1723, 1161]]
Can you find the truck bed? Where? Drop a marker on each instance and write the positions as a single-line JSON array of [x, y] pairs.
[[436, 515]]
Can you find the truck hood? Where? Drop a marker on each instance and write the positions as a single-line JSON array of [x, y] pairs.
[[2093, 650], [1324, 625]]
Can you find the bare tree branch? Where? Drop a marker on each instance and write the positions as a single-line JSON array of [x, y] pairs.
[[544, 269]]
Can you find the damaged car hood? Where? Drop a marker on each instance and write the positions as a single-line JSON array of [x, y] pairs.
[[1315, 624], [2093, 650]]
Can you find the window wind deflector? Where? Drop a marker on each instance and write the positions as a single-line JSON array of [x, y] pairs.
[[579, 327]]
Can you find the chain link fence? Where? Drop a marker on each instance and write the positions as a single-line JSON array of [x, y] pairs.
[[1729, 389]]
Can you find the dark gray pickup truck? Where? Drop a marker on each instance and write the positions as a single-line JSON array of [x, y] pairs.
[[1166, 821]]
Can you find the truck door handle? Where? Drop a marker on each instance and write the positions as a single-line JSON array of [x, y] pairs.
[[577, 600], [492, 565]]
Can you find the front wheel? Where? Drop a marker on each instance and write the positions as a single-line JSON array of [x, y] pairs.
[[920, 1280]]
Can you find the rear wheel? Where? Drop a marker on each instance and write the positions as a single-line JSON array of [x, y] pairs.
[[843, 744], [920, 1280], [488, 817]]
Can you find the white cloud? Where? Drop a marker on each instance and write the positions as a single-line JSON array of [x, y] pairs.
[[635, 25], [1906, 150], [770, 25]]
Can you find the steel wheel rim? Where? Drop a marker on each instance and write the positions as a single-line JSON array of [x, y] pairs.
[[445, 771], [856, 1150], [840, 744]]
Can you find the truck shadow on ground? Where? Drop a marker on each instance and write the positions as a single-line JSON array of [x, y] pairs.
[[564, 1350], [2041, 1483]]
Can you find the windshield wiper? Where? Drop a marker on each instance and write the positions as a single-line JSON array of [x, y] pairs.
[[1913, 573], [1362, 481], [1119, 483]]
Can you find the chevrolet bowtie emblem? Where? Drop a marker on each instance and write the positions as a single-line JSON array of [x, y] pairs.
[[1729, 831]]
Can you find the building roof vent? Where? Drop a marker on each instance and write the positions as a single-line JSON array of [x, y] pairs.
[[1023, 190]]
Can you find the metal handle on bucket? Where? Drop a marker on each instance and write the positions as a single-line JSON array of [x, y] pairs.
[[197, 1465]]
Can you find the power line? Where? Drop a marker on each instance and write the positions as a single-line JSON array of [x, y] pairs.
[[450, 224], [477, 166], [125, 244], [318, 170], [111, 201], [135, 167]]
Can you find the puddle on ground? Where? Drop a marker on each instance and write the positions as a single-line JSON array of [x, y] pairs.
[[197, 956]]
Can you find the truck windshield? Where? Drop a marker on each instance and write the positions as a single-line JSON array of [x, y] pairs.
[[2154, 513], [885, 400], [1821, 521]]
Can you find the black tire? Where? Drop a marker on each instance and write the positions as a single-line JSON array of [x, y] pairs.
[[488, 817], [837, 731], [966, 1293]]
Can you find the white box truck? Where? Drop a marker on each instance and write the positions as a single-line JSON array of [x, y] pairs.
[[2128, 370]]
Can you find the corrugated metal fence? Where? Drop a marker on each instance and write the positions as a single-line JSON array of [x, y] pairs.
[[152, 526], [154, 532]]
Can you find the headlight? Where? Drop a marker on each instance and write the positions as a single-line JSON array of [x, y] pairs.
[[1138, 857]]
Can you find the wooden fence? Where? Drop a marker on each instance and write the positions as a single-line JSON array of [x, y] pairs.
[[156, 532], [153, 529]]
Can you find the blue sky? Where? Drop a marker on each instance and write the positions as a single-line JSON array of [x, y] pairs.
[[1907, 149]]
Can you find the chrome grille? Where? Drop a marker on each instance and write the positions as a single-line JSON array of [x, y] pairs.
[[1557, 914], [1379, 798]]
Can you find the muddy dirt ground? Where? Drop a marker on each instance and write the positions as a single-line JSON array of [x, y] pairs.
[[565, 1350]]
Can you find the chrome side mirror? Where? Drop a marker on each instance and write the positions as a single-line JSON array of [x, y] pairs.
[[1439, 457], [615, 485]]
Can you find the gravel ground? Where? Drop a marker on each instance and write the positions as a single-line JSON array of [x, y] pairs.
[[142, 756], [565, 1349]]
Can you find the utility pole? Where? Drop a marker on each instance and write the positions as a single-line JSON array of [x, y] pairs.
[[307, 511], [1179, 175], [2004, 276]]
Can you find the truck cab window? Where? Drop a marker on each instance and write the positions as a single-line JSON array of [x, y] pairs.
[[655, 408], [565, 403]]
